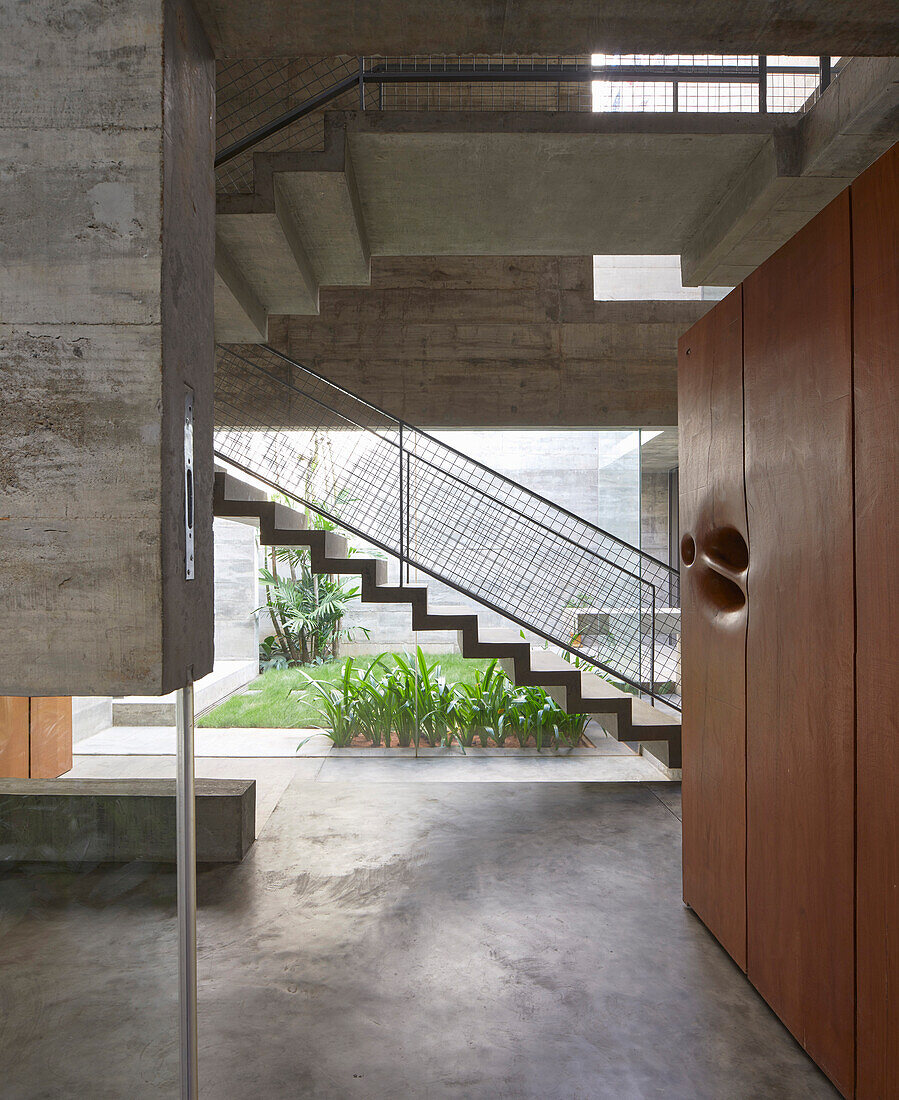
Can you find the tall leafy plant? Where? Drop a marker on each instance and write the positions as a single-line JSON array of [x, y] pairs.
[[306, 608]]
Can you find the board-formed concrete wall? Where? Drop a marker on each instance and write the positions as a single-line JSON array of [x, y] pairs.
[[107, 208], [495, 341]]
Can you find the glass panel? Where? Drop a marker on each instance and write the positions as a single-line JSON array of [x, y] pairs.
[[88, 929]]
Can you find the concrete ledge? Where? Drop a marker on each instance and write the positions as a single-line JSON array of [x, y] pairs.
[[120, 820]]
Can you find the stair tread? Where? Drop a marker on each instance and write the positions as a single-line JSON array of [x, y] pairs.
[[642, 714], [501, 634], [594, 686], [239, 491]]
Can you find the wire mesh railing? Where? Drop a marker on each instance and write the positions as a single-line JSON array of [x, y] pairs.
[[274, 105], [450, 517]]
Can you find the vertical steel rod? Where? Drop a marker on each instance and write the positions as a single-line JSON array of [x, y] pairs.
[[187, 890], [652, 652], [402, 506], [763, 84], [361, 83], [674, 98], [408, 516]]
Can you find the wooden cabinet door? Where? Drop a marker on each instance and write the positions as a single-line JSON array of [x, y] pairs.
[[800, 710], [51, 737], [13, 737], [875, 245], [713, 609]]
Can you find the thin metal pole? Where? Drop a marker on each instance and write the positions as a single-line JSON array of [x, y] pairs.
[[408, 516], [652, 658], [361, 83], [187, 889], [674, 97], [402, 507], [763, 84]]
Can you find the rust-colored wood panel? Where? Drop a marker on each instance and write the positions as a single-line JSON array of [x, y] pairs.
[[13, 736], [875, 240], [800, 714], [51, 737], [713, 609]]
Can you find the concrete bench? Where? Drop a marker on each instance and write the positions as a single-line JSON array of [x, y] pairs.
[[120, 820]]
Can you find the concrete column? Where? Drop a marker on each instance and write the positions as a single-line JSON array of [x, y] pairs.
[[106, 281]]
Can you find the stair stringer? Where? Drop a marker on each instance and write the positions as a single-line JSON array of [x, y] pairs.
[[620, 714]]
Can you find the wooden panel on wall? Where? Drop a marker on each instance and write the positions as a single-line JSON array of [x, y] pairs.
[[13, 737], [713, 600], [51, 737], [875, 238], [800, 663]]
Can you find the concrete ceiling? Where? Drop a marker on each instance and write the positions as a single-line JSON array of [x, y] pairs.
[[723, 191], [294, 28], [504, 183]]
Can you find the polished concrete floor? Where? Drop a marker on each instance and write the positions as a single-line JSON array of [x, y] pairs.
[[392, 940]]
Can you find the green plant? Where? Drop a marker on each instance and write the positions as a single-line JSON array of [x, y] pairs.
[[337, 707], [413, 699], [482, 705], [271, 656], [571, 727], [434, 702]]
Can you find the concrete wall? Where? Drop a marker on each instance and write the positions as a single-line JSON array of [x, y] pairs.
[[654, 514], [475, 342], [107, 209], [236, 630], [291, 28]]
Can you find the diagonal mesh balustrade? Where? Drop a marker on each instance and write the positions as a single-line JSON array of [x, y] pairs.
[[450, 517]]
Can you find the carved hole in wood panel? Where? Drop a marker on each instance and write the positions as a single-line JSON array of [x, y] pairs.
[[726, 547], [688, 549], [721, 592]]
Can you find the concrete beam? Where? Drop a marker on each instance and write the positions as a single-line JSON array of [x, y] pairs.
[[105, 324], [293, 28], [469, 183], [805, 164]]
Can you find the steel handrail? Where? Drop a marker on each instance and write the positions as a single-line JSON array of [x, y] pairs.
[[641, 554], [561, 73]]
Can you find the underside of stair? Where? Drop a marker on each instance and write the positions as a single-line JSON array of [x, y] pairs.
[[577, 690]]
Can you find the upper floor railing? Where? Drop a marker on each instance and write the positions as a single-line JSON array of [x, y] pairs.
[[276, 105]]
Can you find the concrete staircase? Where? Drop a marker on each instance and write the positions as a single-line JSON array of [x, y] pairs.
[[301, 228], [623, 716]]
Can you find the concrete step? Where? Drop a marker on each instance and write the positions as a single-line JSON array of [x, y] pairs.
[[262, 266], [302, 228]]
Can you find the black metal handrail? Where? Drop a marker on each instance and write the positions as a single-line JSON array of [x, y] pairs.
[[408, 72], [450, 517]]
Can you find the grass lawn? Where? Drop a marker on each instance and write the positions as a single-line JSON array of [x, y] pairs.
[[272, 708]]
